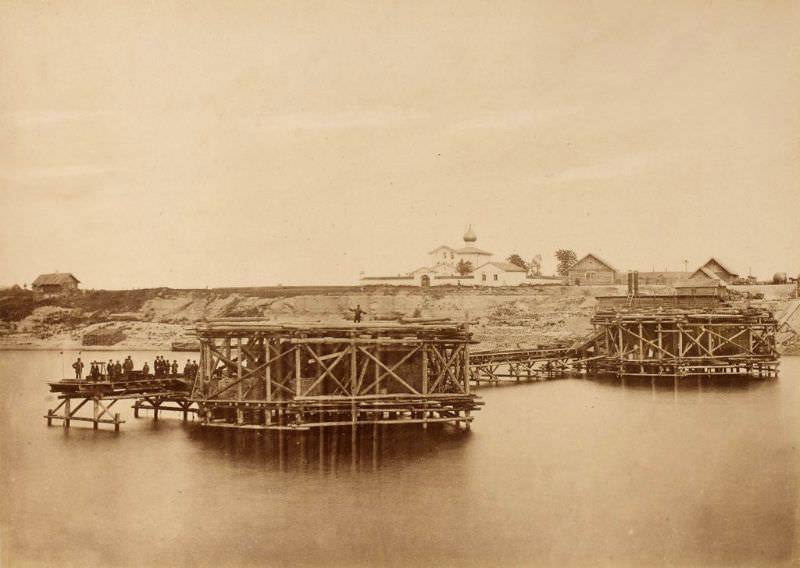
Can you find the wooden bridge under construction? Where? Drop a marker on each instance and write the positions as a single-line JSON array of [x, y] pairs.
[[264, 375]]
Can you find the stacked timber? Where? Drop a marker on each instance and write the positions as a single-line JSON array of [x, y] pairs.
[[233, 327], [192, 345], [103, 336]]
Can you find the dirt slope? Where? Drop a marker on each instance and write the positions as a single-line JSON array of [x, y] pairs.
[[153, 319]]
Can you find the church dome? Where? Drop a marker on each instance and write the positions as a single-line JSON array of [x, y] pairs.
[[469, 236]]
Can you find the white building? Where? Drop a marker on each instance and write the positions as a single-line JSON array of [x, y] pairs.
[[499, 274], [442, 269], [450, 257]]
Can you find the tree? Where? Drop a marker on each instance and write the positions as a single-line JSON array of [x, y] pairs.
[[464, 267], [517, 260], [565, 259], [535, 265]]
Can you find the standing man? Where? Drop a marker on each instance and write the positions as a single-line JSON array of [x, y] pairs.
[[127, 366], [357, 313], [78, 366]]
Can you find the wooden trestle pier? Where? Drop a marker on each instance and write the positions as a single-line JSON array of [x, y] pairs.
[[649, 341], [684, 343], [270, 376], [100, 395], [264, 375]]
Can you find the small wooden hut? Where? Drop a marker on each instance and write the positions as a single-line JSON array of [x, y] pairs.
[[55, 284]]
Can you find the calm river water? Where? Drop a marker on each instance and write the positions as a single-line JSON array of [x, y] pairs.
[[569, 472]]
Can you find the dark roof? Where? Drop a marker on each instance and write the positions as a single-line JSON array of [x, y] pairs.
[[705, 272], [597, 258], [724, 267], [55, 279]]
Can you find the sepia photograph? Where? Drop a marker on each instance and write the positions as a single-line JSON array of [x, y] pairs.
[[451, 283]]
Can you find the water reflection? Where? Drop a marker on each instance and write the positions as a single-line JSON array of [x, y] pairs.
[[726, 384], [709, 383], [570, 472], [330, 450]]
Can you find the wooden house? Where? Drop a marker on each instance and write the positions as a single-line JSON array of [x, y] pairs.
[[591, 270], [717, 269], [55, 284], [703, 282]]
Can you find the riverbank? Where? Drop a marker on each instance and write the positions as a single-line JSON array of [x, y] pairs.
[[156, 318]]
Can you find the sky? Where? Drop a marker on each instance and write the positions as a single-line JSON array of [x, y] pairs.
[[244, 143]]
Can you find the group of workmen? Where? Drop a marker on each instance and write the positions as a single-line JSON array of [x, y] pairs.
[[124, 370], [113, 370], [162, 367]]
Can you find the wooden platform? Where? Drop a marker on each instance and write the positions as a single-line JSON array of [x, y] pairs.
[[267, 375], [515, 365], [100, 396], [684, 342], [119, 387], [276, 376]]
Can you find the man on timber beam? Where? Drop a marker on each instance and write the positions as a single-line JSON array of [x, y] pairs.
[[357, 313]]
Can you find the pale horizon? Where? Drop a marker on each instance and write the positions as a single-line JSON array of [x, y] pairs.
[[256, 144]]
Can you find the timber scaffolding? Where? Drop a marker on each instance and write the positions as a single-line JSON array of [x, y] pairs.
[[690, 334], [544, 362], [100, 394], [683, 342], [650, 336], [265, 375]]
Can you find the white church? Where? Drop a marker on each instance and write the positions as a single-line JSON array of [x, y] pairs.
[[441, 269]]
